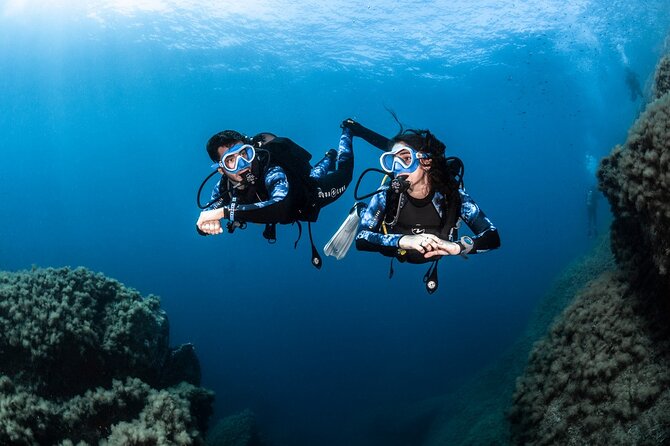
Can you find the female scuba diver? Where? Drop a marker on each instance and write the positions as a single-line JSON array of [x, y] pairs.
[[416, 217], [268, 179]]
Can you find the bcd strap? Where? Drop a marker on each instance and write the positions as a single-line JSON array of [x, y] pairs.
[[391, 271], [451, 216], [270, 233], [295, 244], [430, 278], [316, 258]]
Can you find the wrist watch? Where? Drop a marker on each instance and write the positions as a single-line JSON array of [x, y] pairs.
[[466, 244]]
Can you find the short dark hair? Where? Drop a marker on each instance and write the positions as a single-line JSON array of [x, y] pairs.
[[221, 139]]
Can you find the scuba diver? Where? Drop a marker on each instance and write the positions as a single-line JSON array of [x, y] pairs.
[[591, 197], [415, 217], [591, 212], [633, 84], [269, 180]]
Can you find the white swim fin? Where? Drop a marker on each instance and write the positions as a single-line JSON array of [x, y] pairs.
[[340, 243]]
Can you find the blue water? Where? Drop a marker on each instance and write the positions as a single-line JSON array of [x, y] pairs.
[[106, 106]]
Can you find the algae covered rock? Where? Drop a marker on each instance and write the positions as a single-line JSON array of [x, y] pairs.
[[602, 374], [662, 77], [635, 178], [85, 360]]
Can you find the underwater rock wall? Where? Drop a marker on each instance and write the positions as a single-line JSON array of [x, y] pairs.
[[635, 178], [602, 374], [662, 77], [85, 360]]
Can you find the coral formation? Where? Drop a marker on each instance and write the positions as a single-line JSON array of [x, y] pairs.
[[602, 374], [85, 360]]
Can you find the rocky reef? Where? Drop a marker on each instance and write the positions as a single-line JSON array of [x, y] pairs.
[[635, 178], [602, 374], [85, 360], [662, 77]]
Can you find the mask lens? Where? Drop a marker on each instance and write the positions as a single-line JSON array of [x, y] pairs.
[[403, 158], [238, 157], [398, 161], [247, 152], [386, 161]]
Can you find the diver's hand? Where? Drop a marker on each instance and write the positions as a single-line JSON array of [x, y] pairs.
[[353, 126], [211, 227], [429, 245], [209, 223], [446, 249]]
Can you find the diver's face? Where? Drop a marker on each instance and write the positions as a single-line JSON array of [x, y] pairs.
[[417, 176], [236, 177]]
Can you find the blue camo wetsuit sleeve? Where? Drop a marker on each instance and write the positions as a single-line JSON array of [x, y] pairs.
[[485, 235], [216, 199], [369, 236], [345, 154], [276, 209]]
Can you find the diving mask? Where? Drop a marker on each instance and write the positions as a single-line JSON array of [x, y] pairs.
[[237, 158], [402, 159]]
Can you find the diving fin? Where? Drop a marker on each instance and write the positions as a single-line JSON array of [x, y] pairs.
[[340, 243]]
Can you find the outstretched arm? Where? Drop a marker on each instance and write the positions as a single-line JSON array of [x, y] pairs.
[[373, 138]]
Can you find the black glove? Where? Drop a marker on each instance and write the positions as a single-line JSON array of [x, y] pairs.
[[353, 126], [373, 138]]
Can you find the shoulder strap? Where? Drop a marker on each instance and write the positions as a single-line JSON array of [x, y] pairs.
[[450, 215]]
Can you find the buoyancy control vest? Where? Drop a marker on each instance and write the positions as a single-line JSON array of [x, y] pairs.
[[295, 161], [418, 216]]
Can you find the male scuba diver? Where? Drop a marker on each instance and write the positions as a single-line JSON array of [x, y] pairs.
[[415, 218], [268, 179], [591, 212], [591, 197], [633, 84]]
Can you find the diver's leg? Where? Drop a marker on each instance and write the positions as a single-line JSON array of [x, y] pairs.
[[333, 183]]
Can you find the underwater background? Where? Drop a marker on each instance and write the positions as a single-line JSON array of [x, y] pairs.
[[106, 107]]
